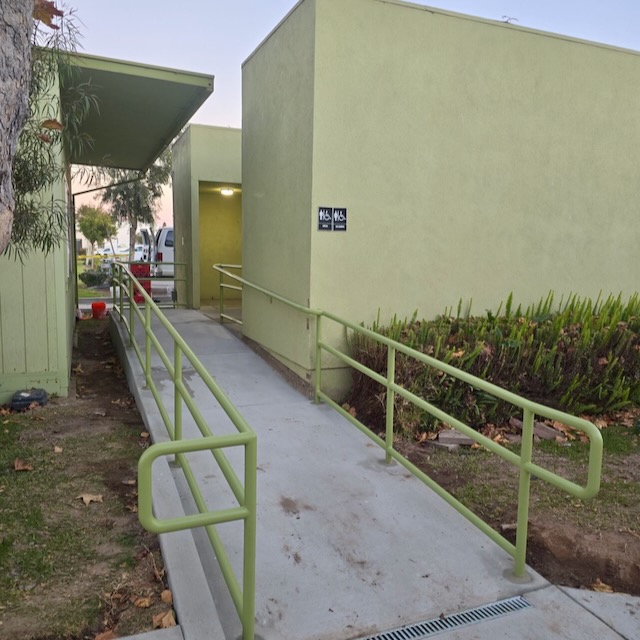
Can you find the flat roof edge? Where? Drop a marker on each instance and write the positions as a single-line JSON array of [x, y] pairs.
[[114, 65], [507, 25], [465, 16]]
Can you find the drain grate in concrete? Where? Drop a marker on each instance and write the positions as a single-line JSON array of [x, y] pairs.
[[433, 627]]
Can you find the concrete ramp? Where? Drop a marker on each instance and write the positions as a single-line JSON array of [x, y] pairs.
[[348, 546]]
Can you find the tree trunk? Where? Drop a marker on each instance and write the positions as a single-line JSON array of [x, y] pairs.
[[16, 23], [133, 228]]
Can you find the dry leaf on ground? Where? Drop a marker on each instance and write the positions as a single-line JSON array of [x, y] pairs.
[[89, 497], [142, 602], [568, 431], [167, 596], [21, 465], [164, 620], [600, 586], [106, 635], [57, 449]]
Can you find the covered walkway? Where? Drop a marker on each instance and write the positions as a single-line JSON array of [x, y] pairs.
[[347, 546]]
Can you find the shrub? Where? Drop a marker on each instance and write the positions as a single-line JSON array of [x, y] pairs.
[[581, 356], [93, 278]]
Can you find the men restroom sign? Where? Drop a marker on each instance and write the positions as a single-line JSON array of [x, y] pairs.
[[332, 218]]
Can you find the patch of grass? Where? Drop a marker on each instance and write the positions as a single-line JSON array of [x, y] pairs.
[[86, 292], [47, 534], [488, 485], [33, 546], [616, 441], [80, 610], [619, 440]]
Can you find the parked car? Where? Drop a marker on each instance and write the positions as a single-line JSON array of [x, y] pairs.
[[108, 256], [141, 253], [164, 251], [144, 251]]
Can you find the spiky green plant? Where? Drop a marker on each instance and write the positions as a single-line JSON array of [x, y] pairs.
[[580, 355]]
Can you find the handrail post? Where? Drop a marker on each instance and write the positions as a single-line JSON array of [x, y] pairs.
[[147, 344], [522, 526], [177, 397], [250, 525], [391, 374], [120, 291], [132, 314], [221, 299], [114, 268], [316, 387]]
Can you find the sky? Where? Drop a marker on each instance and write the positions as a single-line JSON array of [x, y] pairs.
[[216, 36]]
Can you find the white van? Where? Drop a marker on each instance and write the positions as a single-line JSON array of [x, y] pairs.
[[164, 251]]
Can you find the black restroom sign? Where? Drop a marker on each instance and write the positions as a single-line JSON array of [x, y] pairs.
[[325, 218], [339, 219], [332, 218]]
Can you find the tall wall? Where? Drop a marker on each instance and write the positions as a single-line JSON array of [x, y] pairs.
[[474, 158], [277, 148], [37, 310], [183, 196], [37, 320]]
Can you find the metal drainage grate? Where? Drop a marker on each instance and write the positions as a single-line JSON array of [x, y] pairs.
[[444, 623]]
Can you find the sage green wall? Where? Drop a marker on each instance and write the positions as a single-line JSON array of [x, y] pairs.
[[201, 154], [475, 159], [277, 148], [37, 311], [182, 190], [37, 320], [220, 238]]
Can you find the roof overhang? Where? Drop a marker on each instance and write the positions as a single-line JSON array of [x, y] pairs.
[[141, 109]]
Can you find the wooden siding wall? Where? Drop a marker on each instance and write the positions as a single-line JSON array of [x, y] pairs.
[[35, 333]]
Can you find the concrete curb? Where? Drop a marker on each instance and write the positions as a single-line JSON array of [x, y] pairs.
[[174, 633]]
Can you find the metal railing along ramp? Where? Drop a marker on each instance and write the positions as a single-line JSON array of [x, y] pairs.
[[347, 546]]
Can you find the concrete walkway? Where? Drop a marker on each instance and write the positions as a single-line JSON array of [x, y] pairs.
[[348, 547]]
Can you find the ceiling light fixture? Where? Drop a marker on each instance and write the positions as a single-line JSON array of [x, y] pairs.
[[226, 191]]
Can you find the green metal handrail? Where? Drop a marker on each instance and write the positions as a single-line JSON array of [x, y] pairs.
[[150, 278], [244, 491], [225, 285], [529, 410]]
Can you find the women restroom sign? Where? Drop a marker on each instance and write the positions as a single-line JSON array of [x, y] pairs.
[[332, 218]]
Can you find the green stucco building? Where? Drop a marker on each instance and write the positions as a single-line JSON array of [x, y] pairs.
[[474, 158]]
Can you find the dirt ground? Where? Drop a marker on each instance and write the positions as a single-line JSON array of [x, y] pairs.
[[100, 574], [591, 544]]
